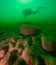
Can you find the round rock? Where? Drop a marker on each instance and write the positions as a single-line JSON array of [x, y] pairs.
[[27, 31], [48, 45]]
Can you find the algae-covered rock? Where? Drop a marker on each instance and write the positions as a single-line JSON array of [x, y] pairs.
[[26, 57], [2, 52], [48, 43], [27, 31]]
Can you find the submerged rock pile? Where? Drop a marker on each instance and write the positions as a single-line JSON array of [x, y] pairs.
[[21, 46], [24, 56]]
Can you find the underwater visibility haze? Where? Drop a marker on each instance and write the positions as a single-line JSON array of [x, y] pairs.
[[11, 10], [27, 32]]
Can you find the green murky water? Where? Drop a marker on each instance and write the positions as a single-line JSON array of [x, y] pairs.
[[40, 14]]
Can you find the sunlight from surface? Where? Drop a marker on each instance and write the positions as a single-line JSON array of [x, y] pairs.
[[24, 1]]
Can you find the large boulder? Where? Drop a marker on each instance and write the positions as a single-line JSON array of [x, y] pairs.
[[48, 45], [27, 31]]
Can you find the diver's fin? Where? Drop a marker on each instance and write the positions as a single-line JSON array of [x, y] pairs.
[[38, 9]]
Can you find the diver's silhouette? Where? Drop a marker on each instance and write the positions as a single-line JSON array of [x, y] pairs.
[[29, 11]]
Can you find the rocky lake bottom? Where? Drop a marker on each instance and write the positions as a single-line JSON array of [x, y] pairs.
[[28, 44]]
